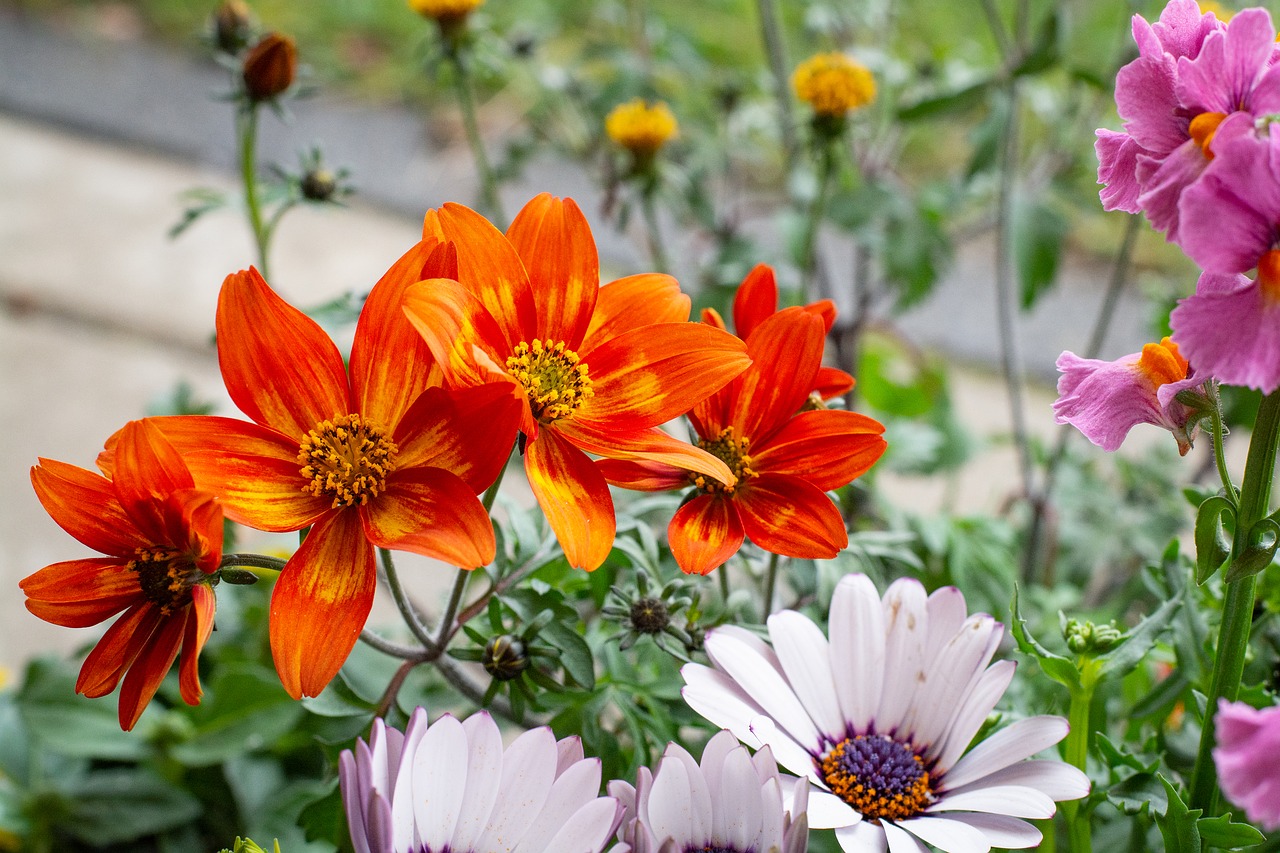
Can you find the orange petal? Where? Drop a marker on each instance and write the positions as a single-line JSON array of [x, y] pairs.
[[786, 352], [150, 668], [198, 628], [80, 593], [826, 309], [279, 366], [431, 512], [574, 497], [466, 431], [833, 382], [756, 299], [117, 650], [634, 301], [643, 475], [653, 374], [652, 445], [253, 470], [390, 362], [320, 604], [194, 519], [828, 448], [489, 267], [712, 317], [704, 534], [85, 505], [453, 323], [147, 470], [554, 241], [788, 516]]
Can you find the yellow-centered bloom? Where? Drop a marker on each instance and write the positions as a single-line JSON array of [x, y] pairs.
[[833, 84], [640, 127], [444, 10]]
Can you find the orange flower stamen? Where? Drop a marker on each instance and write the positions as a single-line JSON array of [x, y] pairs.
[[166, 577], [732, 452], [348, 458], [1162, 363], [1269, 276], [1202, 129], [553, 376]]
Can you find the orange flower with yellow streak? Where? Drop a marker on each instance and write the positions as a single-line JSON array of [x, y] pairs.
[[594, 369], [163, 541], [383, 459]]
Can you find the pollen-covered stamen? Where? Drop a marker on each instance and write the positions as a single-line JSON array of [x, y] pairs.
[[166, 576], [878, 776], [1162, 363], [553, 376], [1202, 130], [730, 450], [348, 459], [1269, 276]]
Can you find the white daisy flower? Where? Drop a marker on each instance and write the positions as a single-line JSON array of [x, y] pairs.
[[451, 788], [878, 718], [732, 802]]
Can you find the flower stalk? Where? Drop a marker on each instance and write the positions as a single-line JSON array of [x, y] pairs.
[[1076, 753], [247, 130], [491, 203]]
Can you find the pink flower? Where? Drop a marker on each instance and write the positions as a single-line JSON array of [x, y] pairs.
[[1230, 328], [1248, 760], [1105, 399]]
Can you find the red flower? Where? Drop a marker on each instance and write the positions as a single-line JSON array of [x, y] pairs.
[[785, 459], [593, 369], [383, 460], [163, 541]]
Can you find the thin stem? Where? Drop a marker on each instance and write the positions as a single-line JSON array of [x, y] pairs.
[[388, 647], [466, 102], [813, 219], [779, 68], [770, 583], [393, 688], [251, 561], [1077, 755], [445, 628], [452, 673], [723, 577], [1237, 606], [247, 125], [657, 250], [407, 611], [1218, 433]]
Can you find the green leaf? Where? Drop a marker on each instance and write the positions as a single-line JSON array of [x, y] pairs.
[[1044, 53], [1213, 547], [74, 725], [1138, 642], [1264, 536], [1222, 833], [1116, 756], [119, 805], [1038, 232], [339, 700], [246, 709], [1177, 823], [575, 654], [916, 250], [957, 100], [1138, 792], [1057, 667]]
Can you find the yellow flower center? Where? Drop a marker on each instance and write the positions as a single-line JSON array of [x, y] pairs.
[[1203, 128], [166, 576], [1162, 363], [439, 10], [347, 458], [878, 776], [731, 451], [833, 84], [554, 378], [640, 127]]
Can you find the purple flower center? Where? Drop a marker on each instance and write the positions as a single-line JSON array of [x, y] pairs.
[[878, 776], [709, 848]]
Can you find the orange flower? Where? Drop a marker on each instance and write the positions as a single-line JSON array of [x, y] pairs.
[[379, 460], [594, 369], [163, 541], [756, 300], [785, 459]]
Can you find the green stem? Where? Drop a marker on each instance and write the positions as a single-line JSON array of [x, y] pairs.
[[1219, 453], [407, 611], [251, 561], [813, 220], [723, 577], [770, 583], [466, 103], [1237, 605], [657, 253], [248, 129], [1077, 755], [779, 68], [446, 629]]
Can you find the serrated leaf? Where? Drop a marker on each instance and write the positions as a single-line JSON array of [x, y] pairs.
[[1138, 642], [1138, 792], [1220, 832], [1177, 823], [1057, 667], [1213, 547]]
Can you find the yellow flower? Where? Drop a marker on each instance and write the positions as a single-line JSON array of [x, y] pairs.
[[444, 10], [640, 127], [833, 84], [4, 677], [1222, 13]]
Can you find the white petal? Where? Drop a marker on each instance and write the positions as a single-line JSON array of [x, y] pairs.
[[947, 835], [572, 790], [957, 665], [439, 779], [586, 831], [863, 837], [740, 800], [972, 713], [787, 752], [403, 828], [803, 652], [714, 754], [1012, 800], [1001, 830], [772, 814], [857, 649], [484, 774], [901, 841], [1015, 742], [1056, 779], [355, 796], [827, 811], [906, 629], [568, 753], [528, 769], [670, 811], [947, 613], [716, 697], [700, 798], [379, 822], [764, 684]]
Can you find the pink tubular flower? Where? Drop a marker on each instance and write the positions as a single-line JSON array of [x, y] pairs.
[[1105, 399], [1247, 756], [1231, 326]]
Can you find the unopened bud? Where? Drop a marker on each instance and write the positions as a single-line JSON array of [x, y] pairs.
[[319, 184], [505, 657], [1088, 638], [649, 616], [231, 25], [269, 67]]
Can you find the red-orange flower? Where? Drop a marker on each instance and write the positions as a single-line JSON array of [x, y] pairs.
[[595, 369], [756, 300], [785, 459], [163, 541], [385, 459]]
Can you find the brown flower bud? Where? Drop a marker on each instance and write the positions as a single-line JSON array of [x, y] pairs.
[[232, 23], [269, 67]]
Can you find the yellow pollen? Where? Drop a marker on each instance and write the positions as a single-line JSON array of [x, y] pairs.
[[166, 576], [444, 9], [1203, 128], [912, 781], [347, 458], [732, 452], [1162, 363], [553, 377], [833, 84], [641, 127]]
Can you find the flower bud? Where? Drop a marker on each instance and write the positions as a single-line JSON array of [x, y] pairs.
[[505, 657], [319, 184], [231, 26], [649, 616], [1086, 638], [269, 67]]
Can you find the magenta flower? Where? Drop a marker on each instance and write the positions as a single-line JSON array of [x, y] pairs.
[[1105, 399], [1248, 760], [1230, 328]]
